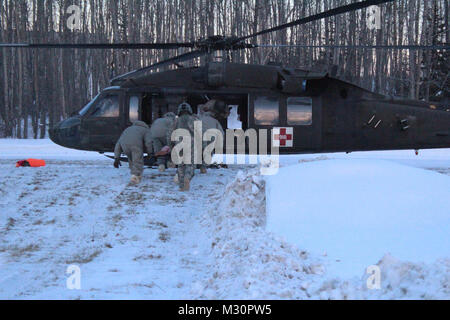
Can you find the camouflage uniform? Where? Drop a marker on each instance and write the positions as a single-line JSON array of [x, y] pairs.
[[133, 141], [218, 109], [185, 121], [159, 131], [208, 122]]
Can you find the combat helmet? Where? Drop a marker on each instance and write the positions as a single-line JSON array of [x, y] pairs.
[[184, 107], [209, 106], [170, 115]]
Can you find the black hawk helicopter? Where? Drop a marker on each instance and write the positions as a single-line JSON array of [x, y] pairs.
[[310, 112]]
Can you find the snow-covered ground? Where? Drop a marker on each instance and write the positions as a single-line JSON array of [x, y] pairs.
[[28, 148], [356, 211], [154, 242]]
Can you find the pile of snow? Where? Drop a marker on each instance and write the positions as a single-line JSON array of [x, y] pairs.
[[407, 280], [248, 262], [357, 212], [253, 263]]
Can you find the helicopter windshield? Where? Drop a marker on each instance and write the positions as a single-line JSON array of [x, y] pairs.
[[85, 109], [107, 107]]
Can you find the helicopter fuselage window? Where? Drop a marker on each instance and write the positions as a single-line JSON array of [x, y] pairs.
[[134, 108], [299, 111], [107, 107], [266, 111]]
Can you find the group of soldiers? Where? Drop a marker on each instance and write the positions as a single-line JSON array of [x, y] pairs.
[[156, 140]]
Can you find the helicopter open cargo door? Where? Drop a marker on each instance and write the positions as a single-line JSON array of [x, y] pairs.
[[293, 123]]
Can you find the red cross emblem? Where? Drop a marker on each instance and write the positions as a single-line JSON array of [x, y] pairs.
[[283, 137]]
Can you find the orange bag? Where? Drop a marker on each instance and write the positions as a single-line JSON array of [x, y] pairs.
[[34, 163]]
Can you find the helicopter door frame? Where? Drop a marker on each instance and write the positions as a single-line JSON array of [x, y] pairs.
[[103, 132]]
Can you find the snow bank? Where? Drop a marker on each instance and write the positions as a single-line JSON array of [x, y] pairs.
[[251, 263], [407, 280], [357, 211], [430, 158], [43, 149], [248, 262]]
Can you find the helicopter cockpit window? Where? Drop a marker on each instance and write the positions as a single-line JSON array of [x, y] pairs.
[[107, 107], [299, 111], [266, 111], [134, 108]]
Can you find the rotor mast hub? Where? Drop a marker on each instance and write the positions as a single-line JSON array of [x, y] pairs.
[[221, 43]]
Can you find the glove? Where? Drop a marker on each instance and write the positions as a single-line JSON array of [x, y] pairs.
[[117, 163]]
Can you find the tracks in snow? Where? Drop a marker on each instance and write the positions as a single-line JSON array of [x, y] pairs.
[[129, 242]]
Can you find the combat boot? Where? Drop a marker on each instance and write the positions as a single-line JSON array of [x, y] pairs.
[[135, 179], [170, 164], [187, 184]]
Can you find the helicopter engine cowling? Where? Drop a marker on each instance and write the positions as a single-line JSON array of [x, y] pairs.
[[221, 74]]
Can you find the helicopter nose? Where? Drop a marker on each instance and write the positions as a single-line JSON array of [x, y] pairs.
[[53, 133], [66, 133]]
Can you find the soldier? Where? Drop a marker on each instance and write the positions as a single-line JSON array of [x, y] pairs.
[[208, 122], [219, 109], [159, 132], [185, 121], [132, 143]]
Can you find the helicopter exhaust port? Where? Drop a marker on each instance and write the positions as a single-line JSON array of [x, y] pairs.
[[404, 124]]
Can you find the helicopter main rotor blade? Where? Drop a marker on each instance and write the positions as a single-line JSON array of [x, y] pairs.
[[319, 16], [180, 58], [394, 47], [98, 45]]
